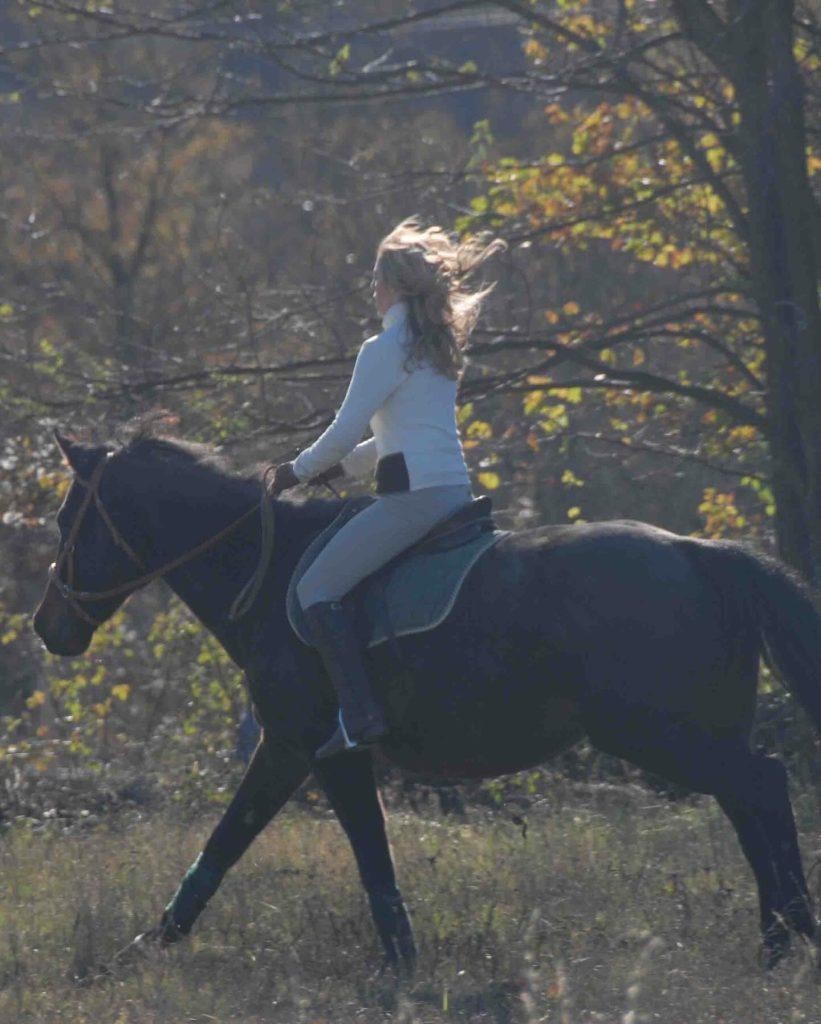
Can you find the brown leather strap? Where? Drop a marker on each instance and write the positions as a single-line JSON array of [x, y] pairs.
[[66, 557]]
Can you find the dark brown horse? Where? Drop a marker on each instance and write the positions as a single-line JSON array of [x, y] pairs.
[[644, 642]]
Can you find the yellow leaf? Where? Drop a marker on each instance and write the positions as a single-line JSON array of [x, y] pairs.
[[570, 308], [556, 114], [532, 402], [715, 158], [535, 50], [121, 691], [480, 429], [464, 414], [490, 480], [574, 513], [569, 479], [572, 395], [745, 433], [36, 699]]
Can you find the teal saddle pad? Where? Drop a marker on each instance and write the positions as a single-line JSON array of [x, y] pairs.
[[413, 594]]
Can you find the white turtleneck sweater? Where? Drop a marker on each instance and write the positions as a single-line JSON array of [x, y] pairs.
[[412, 411]]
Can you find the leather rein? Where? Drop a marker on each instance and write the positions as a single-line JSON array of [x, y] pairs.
[[73, 597]]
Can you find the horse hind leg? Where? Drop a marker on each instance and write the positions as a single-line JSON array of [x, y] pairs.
[[750, 788], [761, 813]]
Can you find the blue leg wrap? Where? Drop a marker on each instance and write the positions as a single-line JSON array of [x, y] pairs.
[[200, 883]]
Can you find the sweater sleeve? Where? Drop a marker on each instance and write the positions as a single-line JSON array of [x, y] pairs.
[[362, 460], [378, 371]]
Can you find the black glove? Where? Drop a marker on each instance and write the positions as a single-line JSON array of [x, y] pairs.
[[284, 477]]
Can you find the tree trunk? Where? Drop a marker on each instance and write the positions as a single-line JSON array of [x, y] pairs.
[[754, 49], [784, 259]]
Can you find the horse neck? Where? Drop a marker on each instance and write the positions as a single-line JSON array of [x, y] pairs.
[[179, 514], [210, 582]]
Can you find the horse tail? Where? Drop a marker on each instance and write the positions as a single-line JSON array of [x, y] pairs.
[[783, 611], [791, 631]]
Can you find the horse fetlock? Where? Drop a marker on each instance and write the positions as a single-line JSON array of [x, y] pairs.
[[169, 931], [200, 883], [801, 918], [394, 926], [405, 941]]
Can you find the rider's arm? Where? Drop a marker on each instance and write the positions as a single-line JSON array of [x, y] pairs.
[[362, 460], [378, 371], [359, 463]]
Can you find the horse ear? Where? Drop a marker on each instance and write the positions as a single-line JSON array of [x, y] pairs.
[[65, 444], [80, 457]]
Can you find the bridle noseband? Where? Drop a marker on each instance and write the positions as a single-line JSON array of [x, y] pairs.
[[65, 587]]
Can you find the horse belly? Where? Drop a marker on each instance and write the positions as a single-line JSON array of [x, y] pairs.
[[488, 747], [484, 694]]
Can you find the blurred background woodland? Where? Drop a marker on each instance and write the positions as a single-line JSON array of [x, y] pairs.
[[191, 194]]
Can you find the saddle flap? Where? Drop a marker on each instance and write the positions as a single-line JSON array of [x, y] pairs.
[[416, 590]]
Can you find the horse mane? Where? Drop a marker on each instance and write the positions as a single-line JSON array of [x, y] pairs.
[[148, 437], [145, 444], [211, 469]]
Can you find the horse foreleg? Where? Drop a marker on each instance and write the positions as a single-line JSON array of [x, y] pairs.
[[349, 784], [272, 776]]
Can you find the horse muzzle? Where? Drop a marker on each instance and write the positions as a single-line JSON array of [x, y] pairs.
[[62, 633]]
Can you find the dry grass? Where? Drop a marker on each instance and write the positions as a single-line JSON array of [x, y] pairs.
[[602, 912]]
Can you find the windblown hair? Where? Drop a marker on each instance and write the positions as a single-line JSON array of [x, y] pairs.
[[427, 268]]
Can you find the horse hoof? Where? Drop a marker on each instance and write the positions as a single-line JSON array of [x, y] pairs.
[[140, 947], [774, 951], [812, 944], [398, 970]]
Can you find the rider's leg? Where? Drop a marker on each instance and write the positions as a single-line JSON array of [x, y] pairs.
[[363, 545]]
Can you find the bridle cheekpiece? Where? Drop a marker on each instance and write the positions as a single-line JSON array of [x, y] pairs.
[[65, 587]]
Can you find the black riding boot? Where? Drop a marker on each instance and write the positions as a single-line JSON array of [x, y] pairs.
[[361, 720]]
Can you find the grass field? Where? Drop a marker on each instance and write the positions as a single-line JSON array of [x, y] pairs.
[[612, 906]]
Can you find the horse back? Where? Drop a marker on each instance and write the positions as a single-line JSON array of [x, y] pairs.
[[548, 622]]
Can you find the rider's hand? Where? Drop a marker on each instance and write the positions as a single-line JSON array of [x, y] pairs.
[[284, 477]]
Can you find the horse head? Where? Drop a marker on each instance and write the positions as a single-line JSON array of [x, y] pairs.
[[88, 580]]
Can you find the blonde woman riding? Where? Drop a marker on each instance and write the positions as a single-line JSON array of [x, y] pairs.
[[404, 386]]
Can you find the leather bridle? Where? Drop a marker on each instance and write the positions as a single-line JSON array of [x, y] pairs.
[[66, 588]]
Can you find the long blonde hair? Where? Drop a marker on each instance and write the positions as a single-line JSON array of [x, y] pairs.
[[427, 268]]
